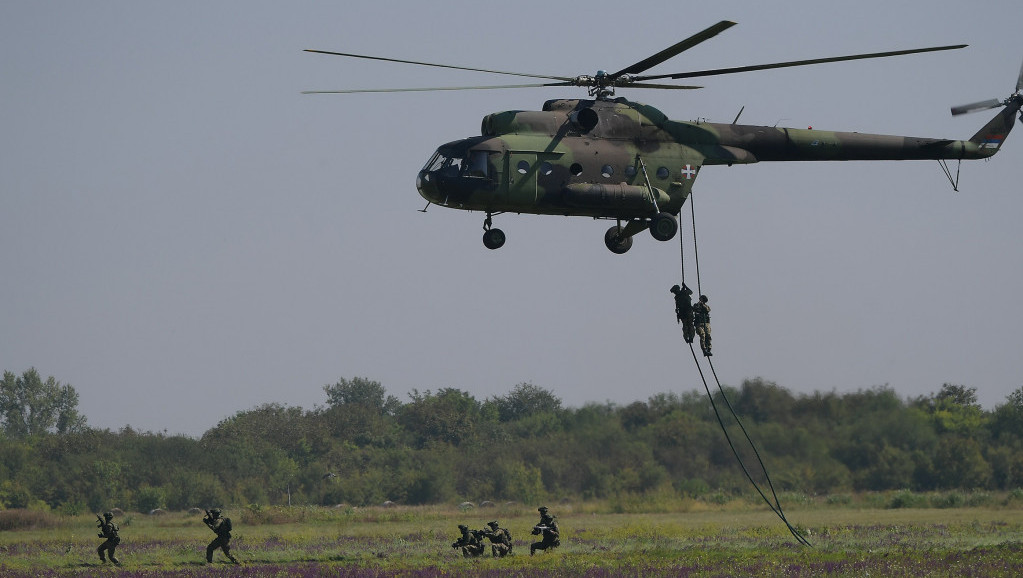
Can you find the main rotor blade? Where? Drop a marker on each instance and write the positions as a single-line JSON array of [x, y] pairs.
[[563, 78], [737, 69], [664, 86], [676, 49], [974, 106], [436, 88]]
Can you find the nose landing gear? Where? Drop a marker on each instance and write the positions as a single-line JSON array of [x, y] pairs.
[[492, 238]]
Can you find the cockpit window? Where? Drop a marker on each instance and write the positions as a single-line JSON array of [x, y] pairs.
[[439, 161], [476, 165]]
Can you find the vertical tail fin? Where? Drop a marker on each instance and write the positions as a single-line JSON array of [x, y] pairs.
[[993, 134]]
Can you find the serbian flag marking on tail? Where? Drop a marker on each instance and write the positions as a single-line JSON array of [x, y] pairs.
[[992, 141]]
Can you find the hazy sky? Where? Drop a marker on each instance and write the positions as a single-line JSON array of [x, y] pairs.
[[183, 235]]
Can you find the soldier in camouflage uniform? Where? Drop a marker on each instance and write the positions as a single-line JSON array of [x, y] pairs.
[[684, 310], [701, 315], [222, 528], [108, 530], [547, 529], [500, 540], [469, 542]]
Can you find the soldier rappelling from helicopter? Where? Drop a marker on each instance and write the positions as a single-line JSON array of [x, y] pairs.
[[684, 310], [701, 318]]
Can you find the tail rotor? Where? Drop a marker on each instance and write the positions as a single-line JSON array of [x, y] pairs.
[[1014, 100], [975, 106]]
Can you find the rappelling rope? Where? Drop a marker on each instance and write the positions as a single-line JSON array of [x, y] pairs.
[[696, 249], [776, 505], [682, 247]]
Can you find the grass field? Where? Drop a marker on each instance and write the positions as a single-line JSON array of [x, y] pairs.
[[699, 539]]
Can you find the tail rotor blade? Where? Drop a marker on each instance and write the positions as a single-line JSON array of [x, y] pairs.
[[1019, 83], [983, 105]]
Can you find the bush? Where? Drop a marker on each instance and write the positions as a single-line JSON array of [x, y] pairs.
[[949, 500], [74, 508], [838, 500], [718, 498], [148, 498], [693, 488], [975, 499], [907, 499], [22, 519]]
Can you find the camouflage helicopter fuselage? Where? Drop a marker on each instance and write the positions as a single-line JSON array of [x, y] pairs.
[[617, 159]]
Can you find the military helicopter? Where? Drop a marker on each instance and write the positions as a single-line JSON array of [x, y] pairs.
[[611, 158]]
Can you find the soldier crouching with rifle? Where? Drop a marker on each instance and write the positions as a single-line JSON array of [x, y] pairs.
[[547, 529], [500, 539], [222, 528], [470, 542], [108, 530]]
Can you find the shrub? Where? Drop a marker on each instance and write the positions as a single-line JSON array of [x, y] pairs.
[[838, 500], [22, 519], [907, 499]]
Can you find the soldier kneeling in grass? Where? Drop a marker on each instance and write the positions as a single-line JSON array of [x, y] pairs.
[[547, 529], [469, 542], [500, 540]]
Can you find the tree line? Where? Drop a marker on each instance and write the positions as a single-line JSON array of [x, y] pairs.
[[366, 447]]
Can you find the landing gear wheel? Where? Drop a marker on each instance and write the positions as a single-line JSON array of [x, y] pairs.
[[616, 242], [493, 238], [663, 227]]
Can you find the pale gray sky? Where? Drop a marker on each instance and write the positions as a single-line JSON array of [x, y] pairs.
[[183, 235]]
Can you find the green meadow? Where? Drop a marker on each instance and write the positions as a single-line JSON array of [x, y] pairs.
[[893, 534]]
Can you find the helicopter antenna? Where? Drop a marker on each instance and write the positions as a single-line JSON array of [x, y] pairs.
[[738, 115]]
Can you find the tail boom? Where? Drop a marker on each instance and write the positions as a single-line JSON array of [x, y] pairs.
[[761, 143]]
